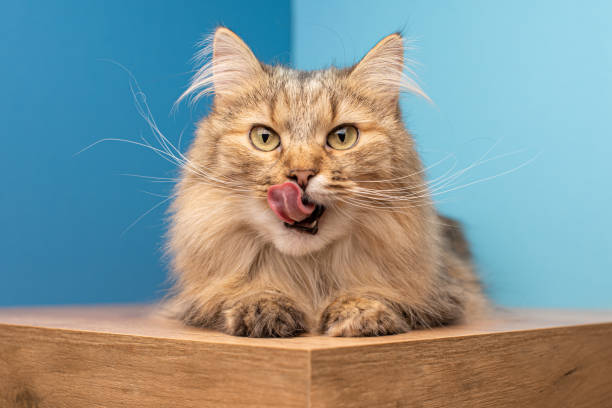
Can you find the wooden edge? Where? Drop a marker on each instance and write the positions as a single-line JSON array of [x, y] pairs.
[[138, 320]]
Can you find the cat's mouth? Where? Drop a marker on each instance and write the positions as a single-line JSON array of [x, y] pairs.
[[310, 224], [291, 206]]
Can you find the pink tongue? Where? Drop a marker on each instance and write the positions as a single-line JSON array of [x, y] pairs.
[[286, 201]]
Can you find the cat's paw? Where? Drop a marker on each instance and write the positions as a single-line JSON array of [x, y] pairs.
[[356, 316], [264, 315]]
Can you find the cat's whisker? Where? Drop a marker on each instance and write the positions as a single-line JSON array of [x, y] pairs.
[[167, 148], [512, 170], [480, 159], [437, 188], [165, 155], [152, 178], [414, 193], [371, 206], [394, 209], [443, 179], [154, 194], [146, 213], [113, 139], [476, 163], [413, 173], [400, 193], [435, 185], [421, 190], [386, 198]]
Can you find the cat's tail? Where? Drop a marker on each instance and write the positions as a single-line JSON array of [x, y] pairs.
[[452, 232]]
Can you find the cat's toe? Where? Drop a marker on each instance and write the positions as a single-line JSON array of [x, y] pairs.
[[265, 315], [355, 316]]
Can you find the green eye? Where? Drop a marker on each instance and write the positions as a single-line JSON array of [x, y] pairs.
[[264, 139], [343, 138]]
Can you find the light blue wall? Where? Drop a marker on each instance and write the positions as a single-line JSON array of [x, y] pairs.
[[62, 217], [532, 75]]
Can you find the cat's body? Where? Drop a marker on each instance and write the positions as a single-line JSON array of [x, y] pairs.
[[379, 260]]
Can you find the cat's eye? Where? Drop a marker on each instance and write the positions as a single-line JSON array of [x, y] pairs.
[[343, 137], [264, 139]]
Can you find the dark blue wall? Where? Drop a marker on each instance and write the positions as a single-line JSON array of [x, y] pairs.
[[62, 217]]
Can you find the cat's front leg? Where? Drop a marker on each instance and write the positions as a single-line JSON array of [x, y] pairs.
[[362, 315], [264, 314]]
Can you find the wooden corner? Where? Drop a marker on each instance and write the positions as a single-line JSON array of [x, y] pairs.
[[126, 356]]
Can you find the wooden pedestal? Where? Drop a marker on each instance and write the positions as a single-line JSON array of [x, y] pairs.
[[126, 356]]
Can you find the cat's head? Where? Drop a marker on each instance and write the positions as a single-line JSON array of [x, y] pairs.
[[303, 157]]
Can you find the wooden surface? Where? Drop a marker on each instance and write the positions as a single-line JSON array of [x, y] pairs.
[[127, 356]]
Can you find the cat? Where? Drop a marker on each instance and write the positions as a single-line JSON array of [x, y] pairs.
[[303, 208]]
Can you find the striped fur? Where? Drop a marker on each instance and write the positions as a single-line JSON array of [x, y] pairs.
[[383, 260]]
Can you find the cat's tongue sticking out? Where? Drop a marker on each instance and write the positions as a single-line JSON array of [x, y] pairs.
[[286, 202]]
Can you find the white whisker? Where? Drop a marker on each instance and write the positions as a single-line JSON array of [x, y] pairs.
[[165, 149], [152, 178], [368, 197], [154, 194], [490, 177], [145, 214], [412, 174]]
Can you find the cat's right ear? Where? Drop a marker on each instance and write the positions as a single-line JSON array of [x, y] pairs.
[[227, 64], [233, 63]]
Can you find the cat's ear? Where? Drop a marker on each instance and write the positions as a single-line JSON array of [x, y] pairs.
[[382, 70], [227, 64], [233, 62]]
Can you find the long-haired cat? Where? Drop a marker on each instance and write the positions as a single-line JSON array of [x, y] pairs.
[[303, 207]]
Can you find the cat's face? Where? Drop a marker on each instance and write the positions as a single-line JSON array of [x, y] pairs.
[[334, 133]]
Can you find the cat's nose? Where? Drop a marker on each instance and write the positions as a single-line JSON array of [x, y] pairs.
[[302, 176]]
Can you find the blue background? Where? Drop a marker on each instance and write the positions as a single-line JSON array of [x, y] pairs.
[[530, 80], [62, 216]]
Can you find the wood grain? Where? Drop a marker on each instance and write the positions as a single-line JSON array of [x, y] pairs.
[[562, 367], [127, 356], [51, 368]]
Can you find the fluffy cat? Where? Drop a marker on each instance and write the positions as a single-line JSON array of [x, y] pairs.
[[303, 207]]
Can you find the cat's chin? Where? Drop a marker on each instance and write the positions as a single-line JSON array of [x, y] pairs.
[[294, 241], [332, 227], [297, 243]]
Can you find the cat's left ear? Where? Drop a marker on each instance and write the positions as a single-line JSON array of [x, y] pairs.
[[382, 70]]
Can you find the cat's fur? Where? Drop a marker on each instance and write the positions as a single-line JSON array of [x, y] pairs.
[[383, 260]]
